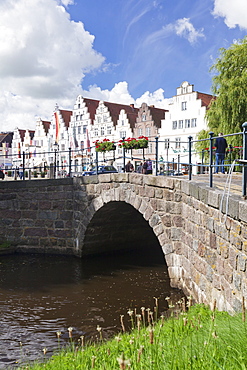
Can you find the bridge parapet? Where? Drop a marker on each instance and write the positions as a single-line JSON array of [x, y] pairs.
[[205, 250]]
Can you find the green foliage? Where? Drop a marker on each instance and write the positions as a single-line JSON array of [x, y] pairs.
[[5, 245], [228, 111], [197, 339]]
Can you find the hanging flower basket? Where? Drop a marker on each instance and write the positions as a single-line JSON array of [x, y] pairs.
[[104, 146], [132, 143]]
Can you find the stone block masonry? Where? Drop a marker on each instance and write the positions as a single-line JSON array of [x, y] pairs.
[[205, 250]]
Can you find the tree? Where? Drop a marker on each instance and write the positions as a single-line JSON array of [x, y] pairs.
[[228, 111]]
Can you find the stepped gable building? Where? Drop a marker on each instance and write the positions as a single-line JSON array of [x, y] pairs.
[[148, 124], [41, 143], [59, 138], [186, 118], [22, 142], [81, 123]]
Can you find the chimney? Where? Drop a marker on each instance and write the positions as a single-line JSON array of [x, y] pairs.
[[132, 105], [152, 106]]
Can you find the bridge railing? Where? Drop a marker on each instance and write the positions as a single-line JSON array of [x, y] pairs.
[[63, 163]]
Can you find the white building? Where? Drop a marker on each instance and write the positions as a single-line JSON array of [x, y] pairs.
[[80, 131], [186, 117]]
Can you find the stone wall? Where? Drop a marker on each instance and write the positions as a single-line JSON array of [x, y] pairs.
[[205, 250]]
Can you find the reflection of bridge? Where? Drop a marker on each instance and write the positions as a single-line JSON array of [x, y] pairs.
[[205, 252]]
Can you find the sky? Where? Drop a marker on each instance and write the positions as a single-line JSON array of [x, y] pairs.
[[122, 51]]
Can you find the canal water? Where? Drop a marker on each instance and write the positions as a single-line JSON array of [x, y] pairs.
[[43, 294]]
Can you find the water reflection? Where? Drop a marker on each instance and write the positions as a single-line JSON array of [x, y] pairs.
[[43, 294]]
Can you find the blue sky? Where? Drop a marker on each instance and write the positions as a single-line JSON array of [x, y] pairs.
[[143, 45], [114, 50]]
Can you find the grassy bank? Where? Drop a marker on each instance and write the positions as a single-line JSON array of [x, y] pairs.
[[196, 339]]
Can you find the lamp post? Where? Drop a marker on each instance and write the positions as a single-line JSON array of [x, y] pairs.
[[55, 146]]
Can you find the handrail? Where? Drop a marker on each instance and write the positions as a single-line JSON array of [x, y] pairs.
[[26, 160]]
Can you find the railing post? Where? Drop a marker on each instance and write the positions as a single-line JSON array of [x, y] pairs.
[[156, 155], [201, 171], [97, 161], [23, 165], [244, 177], [190, 164], [211, 159], [55, 163], [69, 162], [123, 155]]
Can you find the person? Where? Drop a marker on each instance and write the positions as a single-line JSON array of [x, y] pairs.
[[139, 168], [2, 175], [144, 167], [221, 145], [21, 172], [149, 167], [129, 167]]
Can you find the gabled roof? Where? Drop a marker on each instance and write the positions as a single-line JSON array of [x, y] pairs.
[[205, 98], [22, 134], [92, 106], [66, 114], [115, 109], [6, 137], [157, 114], [46, 125], [31, 133]]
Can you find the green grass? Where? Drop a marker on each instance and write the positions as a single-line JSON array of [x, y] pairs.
[[197, 339]]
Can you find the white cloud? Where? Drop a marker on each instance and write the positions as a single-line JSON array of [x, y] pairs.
[[44, 56], [234, 12], [156, 98], [120, 94], [184, 28]]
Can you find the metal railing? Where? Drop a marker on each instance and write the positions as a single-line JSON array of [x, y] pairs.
[[187, 160]]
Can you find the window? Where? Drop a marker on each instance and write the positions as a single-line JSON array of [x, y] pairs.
[[63, 147], [167, 143], [62, 135], [122, 122], [193, 122], [84, 129], [177, 142], [144, 117], [79, 106], [139, 131], [184, 105], [181, 123], [105, 118], [77, 117], [187, 123], [102, 131], [148, 131], [108, 130], [82, 145], [96, 132], [79, 129], [174, 125], [122, 134]]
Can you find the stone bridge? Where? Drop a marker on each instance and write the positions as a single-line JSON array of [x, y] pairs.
[[205, 249]]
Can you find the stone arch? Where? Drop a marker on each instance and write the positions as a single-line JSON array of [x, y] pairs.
[[129, 194]]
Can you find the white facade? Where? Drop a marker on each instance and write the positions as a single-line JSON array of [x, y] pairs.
[[186, 117]]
